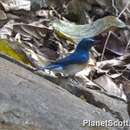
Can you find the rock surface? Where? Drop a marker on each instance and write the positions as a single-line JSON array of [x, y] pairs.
[[116, 106], [29, 102]]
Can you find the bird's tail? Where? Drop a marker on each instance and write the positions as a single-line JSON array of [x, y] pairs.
[[49, 67]]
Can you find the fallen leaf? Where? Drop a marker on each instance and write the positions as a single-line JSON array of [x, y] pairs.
[[6, 30], [29, 30], [3, 15], [13, 51], [75, 32], [110, 87], [120, 61], [16, 4], [113, 76]]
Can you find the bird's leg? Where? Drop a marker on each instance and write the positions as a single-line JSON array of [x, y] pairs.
[[58, 75], [61, 75]]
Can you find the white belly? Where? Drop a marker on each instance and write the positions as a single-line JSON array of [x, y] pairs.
[[73, 69]]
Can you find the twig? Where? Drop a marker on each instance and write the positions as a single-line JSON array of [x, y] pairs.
[[113, 5], [128, 10], [125, 8], [121, 73], [110, 32], [59, 15], [104, 48], [127, 46]]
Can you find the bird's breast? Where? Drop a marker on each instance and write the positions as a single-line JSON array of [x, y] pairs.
[[73, 69]]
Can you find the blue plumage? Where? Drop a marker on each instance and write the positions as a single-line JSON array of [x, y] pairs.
[[78, 58]]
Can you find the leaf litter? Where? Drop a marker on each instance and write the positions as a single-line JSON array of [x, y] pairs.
[[46, 34]]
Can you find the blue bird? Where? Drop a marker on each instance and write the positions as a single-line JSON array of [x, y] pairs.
[[76, 61]]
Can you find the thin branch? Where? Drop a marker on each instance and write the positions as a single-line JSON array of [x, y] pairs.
[[104, 48], [125, 8], [127, 46], [113, 5], [128, 10]]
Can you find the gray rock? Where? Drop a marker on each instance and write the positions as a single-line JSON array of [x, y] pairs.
[[28, 100], [116, 106]]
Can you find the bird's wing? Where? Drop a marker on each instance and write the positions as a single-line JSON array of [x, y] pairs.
[[60, 64], [73, 58]]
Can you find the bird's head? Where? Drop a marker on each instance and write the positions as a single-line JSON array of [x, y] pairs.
[[86, 44]]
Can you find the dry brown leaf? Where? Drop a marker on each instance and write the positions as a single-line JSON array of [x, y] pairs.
[[120, 61], [3, 15], [110, 87], [16, 4], [29, 30]]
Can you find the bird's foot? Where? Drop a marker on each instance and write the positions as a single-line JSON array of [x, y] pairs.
[[59, 75]]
